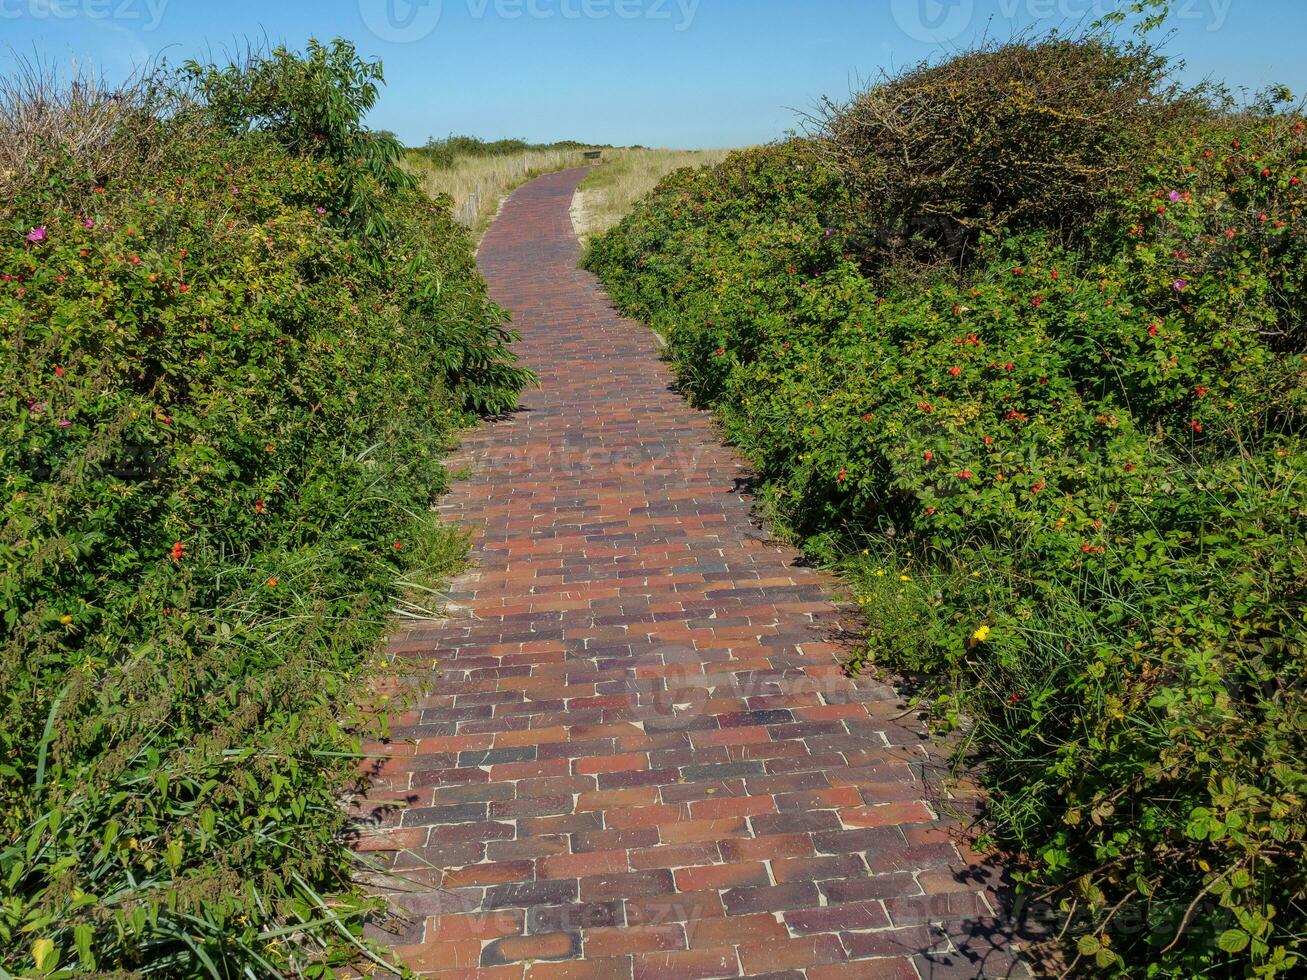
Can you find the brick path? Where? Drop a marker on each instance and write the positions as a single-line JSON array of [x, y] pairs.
[[640, 758]]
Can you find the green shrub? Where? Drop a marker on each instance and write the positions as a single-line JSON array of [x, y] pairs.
[[313, 105], [1066, 485], [224, 413], [444, 153]]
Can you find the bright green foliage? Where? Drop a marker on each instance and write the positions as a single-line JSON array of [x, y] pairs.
[[313, 105], [1067, 484], [224, 414]]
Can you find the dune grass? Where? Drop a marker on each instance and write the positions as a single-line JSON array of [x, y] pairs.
[[478, 184], [625, 176], [477, 177]]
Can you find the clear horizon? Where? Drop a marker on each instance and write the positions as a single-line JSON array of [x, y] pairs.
[[683, 73]]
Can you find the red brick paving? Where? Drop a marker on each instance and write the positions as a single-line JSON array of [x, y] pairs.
[[639, 757]]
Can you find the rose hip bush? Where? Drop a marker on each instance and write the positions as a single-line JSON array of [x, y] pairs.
[[225, 400], [1064, 478]]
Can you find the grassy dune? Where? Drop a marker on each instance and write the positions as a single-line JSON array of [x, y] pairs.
[[477, 185], [609, 191], [477, 176]]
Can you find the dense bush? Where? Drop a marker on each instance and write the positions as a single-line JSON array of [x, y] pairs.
[[444, 153], [225, 403], [1012, 136], [314, 106], [1066, 484]]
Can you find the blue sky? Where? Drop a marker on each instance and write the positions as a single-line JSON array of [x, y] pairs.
[[690, 73]]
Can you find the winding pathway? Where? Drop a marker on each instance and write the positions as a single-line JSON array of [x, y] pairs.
[[639, 757]]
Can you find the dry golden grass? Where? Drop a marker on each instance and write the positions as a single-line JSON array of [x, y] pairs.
[[477, 185], [612, 188], [106, 130]]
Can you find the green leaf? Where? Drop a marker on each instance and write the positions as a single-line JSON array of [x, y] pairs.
[[82, 937], [45, 955], [1233, 940]]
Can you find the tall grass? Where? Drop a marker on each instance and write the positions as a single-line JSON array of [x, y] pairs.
[[105, 131], [477, 176], [609, 192], [477, 184]]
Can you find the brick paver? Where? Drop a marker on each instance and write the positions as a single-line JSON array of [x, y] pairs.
[[639, 757]]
